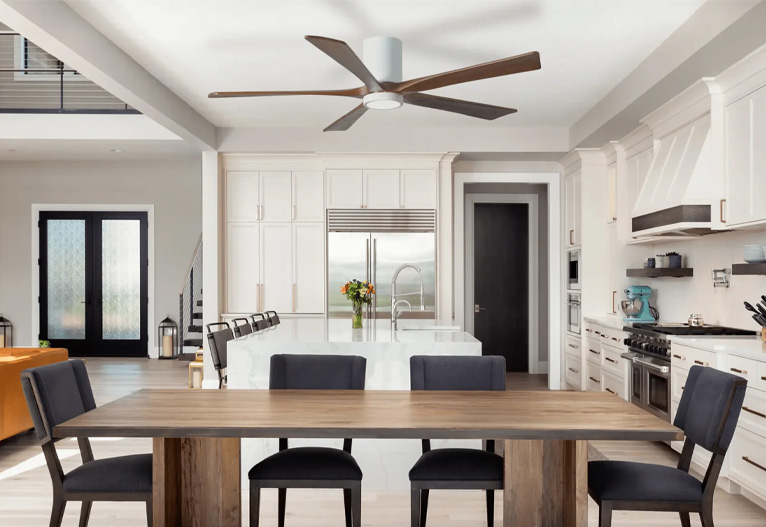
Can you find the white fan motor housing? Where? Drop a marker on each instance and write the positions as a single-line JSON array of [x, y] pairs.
[[383, 57]]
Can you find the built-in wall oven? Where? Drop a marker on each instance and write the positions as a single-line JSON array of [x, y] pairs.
[[573, 269], [573, 312]]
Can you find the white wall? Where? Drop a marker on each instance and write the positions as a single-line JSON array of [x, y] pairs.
[[173, 186]]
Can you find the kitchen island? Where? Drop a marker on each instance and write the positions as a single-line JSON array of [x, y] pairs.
[[385, 463]]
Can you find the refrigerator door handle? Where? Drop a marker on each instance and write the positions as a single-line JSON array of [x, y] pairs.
[[374, 276], [367, 269]]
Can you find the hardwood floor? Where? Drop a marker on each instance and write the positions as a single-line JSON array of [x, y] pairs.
[[25, 488]]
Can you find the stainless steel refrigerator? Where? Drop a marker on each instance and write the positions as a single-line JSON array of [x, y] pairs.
[[371, 245]]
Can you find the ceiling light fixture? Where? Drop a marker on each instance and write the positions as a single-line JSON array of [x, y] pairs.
[[383, 101]]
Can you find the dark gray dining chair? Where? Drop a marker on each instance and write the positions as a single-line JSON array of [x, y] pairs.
[[311, 467], [258, 321], [708, 414], [56, 393], [218, 340], [273, 318], [241, 327], [455, 468]]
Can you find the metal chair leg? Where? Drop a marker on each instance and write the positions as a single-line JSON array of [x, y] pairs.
[[281, 503], [685, 519], [255, 505], [490, 508], [356, 504], [85, 513], [57, 511], [423, 507], [347, 506], [605, 515], [414, 507]]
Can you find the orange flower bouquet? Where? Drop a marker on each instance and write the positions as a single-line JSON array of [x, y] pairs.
[[359, 293]]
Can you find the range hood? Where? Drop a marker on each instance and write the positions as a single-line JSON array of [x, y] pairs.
[[681, 192]]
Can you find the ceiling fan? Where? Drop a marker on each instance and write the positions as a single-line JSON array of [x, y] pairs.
[[383, 89]]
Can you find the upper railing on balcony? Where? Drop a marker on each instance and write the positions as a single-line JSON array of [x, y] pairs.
[[33, 81]]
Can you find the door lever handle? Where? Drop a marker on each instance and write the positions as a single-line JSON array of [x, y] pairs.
[[477, 308]]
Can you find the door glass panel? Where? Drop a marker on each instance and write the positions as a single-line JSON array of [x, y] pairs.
[[66, 279], [121, 279], [658, 393]]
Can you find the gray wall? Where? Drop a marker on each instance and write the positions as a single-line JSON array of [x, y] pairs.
[[542, 193], [173, 186]]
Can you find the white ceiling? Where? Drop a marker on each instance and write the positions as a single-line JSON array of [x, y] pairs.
[[198, 46], [93, 150]]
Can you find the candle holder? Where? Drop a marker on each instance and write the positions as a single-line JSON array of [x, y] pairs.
[[195, 374], [167, 339], [6, 332]]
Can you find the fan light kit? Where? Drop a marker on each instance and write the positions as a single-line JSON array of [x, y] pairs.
[[381, 73]]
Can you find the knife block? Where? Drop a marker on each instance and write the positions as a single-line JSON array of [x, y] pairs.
[[763, 334]]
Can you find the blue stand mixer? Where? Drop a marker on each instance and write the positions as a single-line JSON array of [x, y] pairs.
[[636, 307]]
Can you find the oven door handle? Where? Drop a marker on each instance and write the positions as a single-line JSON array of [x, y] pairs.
[[652, 366]]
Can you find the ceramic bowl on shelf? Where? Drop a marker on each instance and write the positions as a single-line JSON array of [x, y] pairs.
[[754, 253]]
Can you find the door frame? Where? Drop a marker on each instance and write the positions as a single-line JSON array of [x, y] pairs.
[[533, 293], [555, 254], [85, 207]]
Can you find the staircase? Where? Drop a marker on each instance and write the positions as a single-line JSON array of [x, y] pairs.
[[190, 308]]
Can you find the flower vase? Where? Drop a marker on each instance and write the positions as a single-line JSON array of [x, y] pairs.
[[356, 318]]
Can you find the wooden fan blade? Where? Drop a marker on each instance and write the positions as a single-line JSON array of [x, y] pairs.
[[347, 121], [353, 92], [341, 53], [498, 68], [472, 109]]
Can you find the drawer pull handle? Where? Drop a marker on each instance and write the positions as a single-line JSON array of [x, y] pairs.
[[763, 378], [589, 330], [595, 380], [610, 360], [679, 357], [741, 372], [701, 363], [683, 387], [616, 340], [748, 460], [597, 333], [594, 351], [573, 370], [572, 346], [610, 391], [759, 414]]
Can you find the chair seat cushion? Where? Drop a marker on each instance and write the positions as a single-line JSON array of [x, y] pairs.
[[626, 481], [458, 464], [116, 474], [308, 463]]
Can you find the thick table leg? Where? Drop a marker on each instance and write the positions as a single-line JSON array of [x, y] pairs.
[[546, 483], [196, 482]]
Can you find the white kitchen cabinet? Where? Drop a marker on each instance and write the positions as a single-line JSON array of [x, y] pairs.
[[308, 263], [276, 196], [381, 189], [637, 170], [573, 373], [345, 189], [308, 196], [745, 159], [276, 271], [611, 193], [573, 208], [612, 280], [418, 189], [242, 196], [242, 267]]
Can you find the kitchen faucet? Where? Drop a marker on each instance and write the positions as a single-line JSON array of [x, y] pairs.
[[394, 295]]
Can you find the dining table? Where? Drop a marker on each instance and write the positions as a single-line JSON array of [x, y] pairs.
[[196, 439]]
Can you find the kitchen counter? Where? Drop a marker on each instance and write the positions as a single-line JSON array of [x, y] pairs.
[[613, 322], [385, 463], [748, 347]]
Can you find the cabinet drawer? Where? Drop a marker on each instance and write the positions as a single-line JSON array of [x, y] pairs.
[[573, 367], [678, 381], [753, 416], [593, 377], [686, 357], [593, 351], [592, 331], [613, 363], [748, 461], [613, 337], [573, 345], [760, 382], [612, 384], [746, 368]]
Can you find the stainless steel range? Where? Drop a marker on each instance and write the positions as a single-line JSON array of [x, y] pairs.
[[650, 354]]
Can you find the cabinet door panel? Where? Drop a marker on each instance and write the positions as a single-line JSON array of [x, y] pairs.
[[418, 189], [757, 189], [345, 189], [276, 196], [738, 167], [577, 206], [242, 267], [242, 196], [611, 193], [308, 267], [276, 271], [381, 189], [308, 196]]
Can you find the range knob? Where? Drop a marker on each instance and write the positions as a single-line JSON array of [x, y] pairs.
[[626, 341]]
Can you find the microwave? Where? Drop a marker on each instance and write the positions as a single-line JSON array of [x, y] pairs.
[[573, 269]]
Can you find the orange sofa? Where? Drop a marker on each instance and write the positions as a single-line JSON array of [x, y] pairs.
[[14, 414]]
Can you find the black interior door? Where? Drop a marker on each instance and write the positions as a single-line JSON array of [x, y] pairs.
[[93, 282], [501, 281]]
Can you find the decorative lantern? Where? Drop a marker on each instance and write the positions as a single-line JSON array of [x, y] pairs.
[[6, 332], [195, 374], [167, 339]]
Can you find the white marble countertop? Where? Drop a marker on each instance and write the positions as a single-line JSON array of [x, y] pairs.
[[314, 330], [748, 347], [613, 322]]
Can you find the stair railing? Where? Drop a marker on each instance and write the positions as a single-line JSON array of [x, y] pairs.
[[191, 292]]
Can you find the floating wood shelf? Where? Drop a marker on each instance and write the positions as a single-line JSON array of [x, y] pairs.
[[746, 268], [678, 272]]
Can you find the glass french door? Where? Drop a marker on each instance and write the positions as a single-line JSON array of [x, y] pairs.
[[93, 282]]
